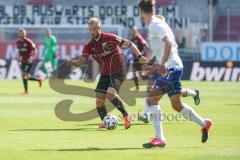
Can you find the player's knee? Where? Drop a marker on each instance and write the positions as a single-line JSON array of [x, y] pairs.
[[111, 94], [176, 102], [151, 101], [100, 102], [177, 106], [24, 75]]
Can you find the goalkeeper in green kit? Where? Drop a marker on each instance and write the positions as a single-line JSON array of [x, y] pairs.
[[50, 51]]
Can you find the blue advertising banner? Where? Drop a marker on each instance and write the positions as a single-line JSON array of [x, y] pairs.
[[220, 51]]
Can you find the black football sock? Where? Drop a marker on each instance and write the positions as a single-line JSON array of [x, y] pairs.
[[33, 78], [119, 105], [136, 82], [102, 112], [25, 84]]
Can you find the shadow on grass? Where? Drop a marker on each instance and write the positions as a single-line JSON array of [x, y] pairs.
[[106, 149], [88, 149], [73, 129], [61, 129], [134, 124]]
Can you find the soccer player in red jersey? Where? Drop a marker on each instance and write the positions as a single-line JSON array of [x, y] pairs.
[[26, 49], [142, 45], [104, 48]]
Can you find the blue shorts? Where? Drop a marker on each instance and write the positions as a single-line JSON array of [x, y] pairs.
[[171, 83]]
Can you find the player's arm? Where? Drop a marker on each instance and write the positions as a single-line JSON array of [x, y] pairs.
[[77, 62], [167, 50], [45, 46], [150, 55], [82, 60], [145, 46], [125, 44], [128, 44], [19, 57], [32, 47], [144, 51], [162, 33], [162, 67], [54, 44]]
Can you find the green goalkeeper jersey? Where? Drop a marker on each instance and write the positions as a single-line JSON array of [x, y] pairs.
[[50, 47]]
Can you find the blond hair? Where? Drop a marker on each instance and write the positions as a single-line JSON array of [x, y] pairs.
[[94, 20], [22, 29]]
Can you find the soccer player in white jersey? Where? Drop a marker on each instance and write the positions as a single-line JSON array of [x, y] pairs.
[[167, 74]]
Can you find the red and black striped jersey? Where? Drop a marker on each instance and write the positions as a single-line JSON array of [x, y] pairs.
[[106, 52], [26, 49]]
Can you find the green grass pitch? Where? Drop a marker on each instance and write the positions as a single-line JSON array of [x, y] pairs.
[[29, 129]]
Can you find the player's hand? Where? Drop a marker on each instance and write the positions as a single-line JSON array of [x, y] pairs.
[[70, 62], [143, 60], [30, 60], [145, 69], [19, 59], [162, 69], [153, 68]]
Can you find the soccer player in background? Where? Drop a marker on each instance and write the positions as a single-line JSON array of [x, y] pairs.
[[168, 72], [104, 48], [142, 46], [50, 51], [27, 50]]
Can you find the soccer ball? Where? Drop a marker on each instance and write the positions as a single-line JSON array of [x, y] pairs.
[[110, 122]]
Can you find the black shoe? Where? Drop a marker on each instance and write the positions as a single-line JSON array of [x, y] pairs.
[[205, 130], [143, 118], [197, 97]]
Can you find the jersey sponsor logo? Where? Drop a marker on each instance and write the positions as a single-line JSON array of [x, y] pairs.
[[108, 48], [22, 49]]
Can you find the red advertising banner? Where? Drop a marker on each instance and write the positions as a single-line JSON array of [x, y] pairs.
[[8, 50]]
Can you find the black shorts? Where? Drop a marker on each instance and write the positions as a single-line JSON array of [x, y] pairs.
[[137, 65], [106, 81], [26, 67]]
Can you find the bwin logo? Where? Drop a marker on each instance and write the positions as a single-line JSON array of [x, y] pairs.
[[214, 73]]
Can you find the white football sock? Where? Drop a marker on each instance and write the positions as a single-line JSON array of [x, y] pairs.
[[146, 107], [191, 115], [191, 92], [155, 112]]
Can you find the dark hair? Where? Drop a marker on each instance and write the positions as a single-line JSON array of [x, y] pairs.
[[147, 6]]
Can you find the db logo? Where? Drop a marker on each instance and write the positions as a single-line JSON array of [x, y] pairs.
[[110, 46]]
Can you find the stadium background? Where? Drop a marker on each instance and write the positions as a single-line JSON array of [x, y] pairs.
[[31, 129], [211, 29]]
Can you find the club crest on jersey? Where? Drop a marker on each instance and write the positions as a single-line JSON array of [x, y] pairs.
[[108, 46]]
